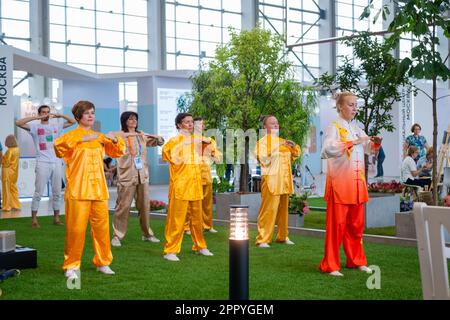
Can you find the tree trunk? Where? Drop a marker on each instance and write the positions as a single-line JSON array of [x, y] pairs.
[[436, 175], [366, 167], [243, 179]]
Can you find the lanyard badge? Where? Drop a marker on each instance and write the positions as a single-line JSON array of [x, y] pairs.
[[136, 159]]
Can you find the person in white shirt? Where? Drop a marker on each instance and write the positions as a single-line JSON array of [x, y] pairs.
[[410, 173], [48, 166]]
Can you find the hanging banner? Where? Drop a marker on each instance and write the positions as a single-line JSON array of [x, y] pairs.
[[167, 100], [6, 92], [406, 117]]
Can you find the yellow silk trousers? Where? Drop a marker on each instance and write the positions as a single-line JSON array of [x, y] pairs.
[[78, 214], [123, 204], [273, 210], [176, 217], [207, 208]]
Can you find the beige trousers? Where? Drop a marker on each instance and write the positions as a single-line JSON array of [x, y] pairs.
[[125, 197]]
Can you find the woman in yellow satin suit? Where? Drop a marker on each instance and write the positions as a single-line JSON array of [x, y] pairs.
[[86, 196], [274, 155], [183, 152], [10, 173]]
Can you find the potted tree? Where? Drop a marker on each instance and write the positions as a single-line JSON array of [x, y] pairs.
[[422, 20], [249, 77]]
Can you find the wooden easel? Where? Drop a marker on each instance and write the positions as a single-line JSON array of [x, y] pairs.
[[443, 158]]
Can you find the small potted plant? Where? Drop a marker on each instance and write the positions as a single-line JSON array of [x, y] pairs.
[[156, 205], [298, 207]]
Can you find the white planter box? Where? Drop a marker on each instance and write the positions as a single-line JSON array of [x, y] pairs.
[[224, 200], [404, 225], [380, 210], [296, 220]]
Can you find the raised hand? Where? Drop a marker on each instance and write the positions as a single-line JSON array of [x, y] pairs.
[[289, 143], [111, 136], [376, 140], [361, 140], [55, 115]]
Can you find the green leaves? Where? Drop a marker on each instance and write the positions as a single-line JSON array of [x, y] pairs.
[[375, 81]]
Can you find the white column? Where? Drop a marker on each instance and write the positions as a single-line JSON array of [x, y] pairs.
[[250, 10], [327, 29], [39, 34], [157, 35]]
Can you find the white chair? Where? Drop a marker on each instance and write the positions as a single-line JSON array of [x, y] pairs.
[[430, 222]]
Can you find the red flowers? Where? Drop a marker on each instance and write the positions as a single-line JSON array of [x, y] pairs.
[[391, 187], [157, 205]]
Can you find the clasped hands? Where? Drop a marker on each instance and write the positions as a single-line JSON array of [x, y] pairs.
[[359, 140], [90, 137], [50, 116]]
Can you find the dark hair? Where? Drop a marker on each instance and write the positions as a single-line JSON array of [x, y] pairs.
[[42, 107], [107, 161], [124, 118], [414, 126], [198, 119], [179, 118], [80, 107]]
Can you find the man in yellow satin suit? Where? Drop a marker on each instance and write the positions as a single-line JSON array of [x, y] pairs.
[[275, 156], [86, 196], [10, 174], [183, 152], [209, 153]]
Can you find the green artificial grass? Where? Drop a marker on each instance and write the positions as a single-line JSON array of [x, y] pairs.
[[279, 272]]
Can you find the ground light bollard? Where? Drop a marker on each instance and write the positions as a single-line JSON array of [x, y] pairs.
[[238, 252]]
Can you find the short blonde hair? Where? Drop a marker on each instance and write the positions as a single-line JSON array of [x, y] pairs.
[[11, 141], [411, 150], [339, 96]]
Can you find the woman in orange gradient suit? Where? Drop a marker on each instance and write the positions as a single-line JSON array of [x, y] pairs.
[[344, 147]]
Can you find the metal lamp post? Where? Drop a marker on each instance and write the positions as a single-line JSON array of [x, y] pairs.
[[238, 252]]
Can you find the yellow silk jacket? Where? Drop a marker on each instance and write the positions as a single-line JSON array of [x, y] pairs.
[[209, 153], [184, 167], [275, 160], [84, 163]]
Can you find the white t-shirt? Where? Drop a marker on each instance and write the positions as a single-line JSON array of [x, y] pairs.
[[44, 136], [408, 165]]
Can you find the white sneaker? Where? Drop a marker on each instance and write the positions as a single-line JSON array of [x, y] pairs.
[[171, 257], [115, 242], [289, 242], [188, 232], [212, 230], [151, 239], [336, 274], [105, 270], [71, 273], [205, 252], [365, 269], [264, 245]]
